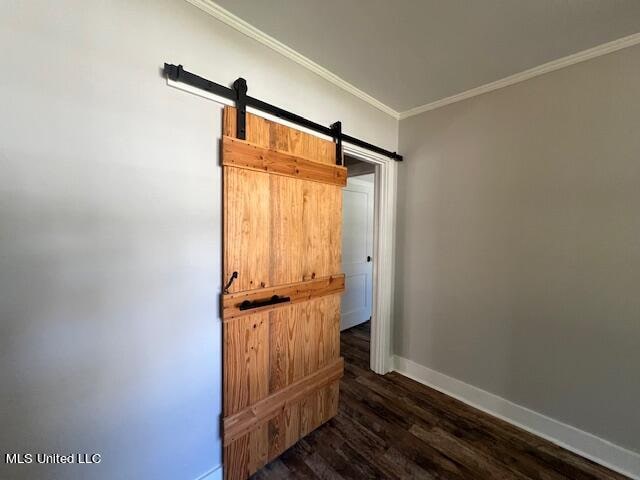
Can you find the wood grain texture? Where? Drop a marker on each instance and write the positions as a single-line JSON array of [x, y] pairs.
[[236, 459], [267, 351], [246, 362], [246, 212], [286, 234], [391, 427], [275, 136], [248, 419], [279, 230], [264, 443], [297, 292], [322, 235], [282, 235], [242, 154]]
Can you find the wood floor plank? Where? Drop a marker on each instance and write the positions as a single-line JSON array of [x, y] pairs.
[[475, 439], [391, 427], [276, 469], [294, 461]]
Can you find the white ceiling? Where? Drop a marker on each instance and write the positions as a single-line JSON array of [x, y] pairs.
[[407, 53]]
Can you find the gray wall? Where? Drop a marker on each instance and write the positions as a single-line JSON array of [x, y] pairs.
[[110, 229], [518, 255]]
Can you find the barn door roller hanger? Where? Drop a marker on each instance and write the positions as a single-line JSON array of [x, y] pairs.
[[239, 94]]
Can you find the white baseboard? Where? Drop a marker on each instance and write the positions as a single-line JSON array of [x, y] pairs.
[[583, 443], [213, 474]]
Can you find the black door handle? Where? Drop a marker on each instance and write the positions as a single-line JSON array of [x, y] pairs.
[[368, 258], [248, 304]]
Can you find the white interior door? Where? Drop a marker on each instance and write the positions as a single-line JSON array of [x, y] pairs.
[[357, 250]]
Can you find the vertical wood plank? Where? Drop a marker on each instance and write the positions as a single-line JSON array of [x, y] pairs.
[[258, 130], [322, 235], [331, 409], [229, 121], [279, 351], [235, 394], [295, 343], [257, 373], [246, 228], [236, 459], [331, 259], [310, 316], [309, 414], [329, 330], [286, 235], [277, 435], [292, 425], [258, 447], [311, 234], [322, 400], [246, 367]]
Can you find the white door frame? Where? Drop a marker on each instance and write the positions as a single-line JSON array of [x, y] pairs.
[[384, 227]]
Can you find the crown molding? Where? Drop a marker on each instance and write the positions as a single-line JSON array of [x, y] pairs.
[[249, 30], [235, 22], [567, 61]]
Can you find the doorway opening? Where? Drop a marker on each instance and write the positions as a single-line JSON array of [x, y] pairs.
[[358, 199]]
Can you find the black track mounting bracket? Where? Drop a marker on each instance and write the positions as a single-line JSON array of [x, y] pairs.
[[240, 88], [336, 128]]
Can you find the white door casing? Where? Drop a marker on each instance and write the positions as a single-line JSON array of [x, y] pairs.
[[384, 228], [357, 250]]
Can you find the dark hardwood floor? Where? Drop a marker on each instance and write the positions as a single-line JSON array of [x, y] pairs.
[[393, 427]]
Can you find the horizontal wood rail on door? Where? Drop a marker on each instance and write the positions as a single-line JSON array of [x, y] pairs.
[[242, 154], [297, 292], [242, 422]]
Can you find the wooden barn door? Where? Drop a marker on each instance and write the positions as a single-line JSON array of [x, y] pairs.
[[281, 314]]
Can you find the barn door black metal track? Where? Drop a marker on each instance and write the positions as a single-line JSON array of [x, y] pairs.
[[239, 94]]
